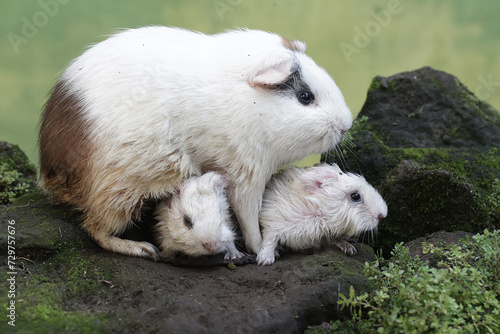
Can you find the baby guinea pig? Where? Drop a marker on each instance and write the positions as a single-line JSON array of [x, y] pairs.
[[303, 207], [196, 219]]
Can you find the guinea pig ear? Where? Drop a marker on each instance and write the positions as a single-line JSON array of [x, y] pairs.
[[274, 74], [314, 181], [220, 181], [312, 186]]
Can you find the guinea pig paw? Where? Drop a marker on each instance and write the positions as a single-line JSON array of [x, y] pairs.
[[345, 246], [234, 255], [266, 257], [149, 251], [351, 250]]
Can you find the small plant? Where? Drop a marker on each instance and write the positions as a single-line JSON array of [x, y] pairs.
[[461, 294], [10, 187]]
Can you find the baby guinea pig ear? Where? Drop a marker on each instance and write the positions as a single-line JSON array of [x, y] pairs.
[[219, 181], [274, 74], [317, 177]]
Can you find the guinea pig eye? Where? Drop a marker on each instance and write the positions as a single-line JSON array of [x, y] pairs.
[[305, 97], [188, 222], [355, 197]]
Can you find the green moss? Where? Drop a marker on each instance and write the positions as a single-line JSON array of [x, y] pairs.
[[391, 84], [83, 274], [347, 141], [482, 108], [45, 298], [36, 195], [39, 309], [375, 84], [15, 159], [424, 199], [12, 185], [480, 166], [17, 173]]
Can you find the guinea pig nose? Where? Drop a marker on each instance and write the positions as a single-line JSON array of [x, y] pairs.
[[380, 216], [210, 246]]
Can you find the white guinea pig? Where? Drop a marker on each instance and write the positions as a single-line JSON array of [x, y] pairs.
[[304, 207], [141, 111], [196, 219]]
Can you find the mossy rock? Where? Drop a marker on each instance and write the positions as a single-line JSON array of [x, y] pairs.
[[17, 173], [42, 228], [440, 239], [429, 108], [433, 150], [424, 200]]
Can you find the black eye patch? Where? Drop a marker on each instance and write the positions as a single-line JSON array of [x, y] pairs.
[[296, 86]]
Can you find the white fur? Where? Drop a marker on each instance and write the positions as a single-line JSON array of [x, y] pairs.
[[303, 207], [203, 200], [168, 99]]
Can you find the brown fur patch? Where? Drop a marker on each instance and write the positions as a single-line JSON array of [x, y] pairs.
[[65, 146], [290, 44]]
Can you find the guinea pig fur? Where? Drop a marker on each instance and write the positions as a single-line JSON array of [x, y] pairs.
[[141, 111], [303, 207], [196, 219]]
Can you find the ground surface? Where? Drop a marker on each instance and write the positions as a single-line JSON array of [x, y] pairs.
[[66, 283]]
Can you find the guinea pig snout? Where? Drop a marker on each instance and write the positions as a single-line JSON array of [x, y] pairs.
[[212, 247], [381, 216]]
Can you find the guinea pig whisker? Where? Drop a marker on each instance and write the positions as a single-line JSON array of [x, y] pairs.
[[343, 160], [337, 152], [347, 145], [374, 233], [347, 96], [331, 154], [363, 235]]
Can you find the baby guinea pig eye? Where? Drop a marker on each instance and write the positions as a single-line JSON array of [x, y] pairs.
[[356, 197], [188, 222], [305, 97]]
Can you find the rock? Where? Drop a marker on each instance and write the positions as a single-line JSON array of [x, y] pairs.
[[42, 227], [424, 199], [438, 239], [66, 283], [17, 173], [429, 108], [433, 149]]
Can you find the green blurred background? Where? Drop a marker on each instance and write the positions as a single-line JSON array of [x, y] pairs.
[[354, 40]]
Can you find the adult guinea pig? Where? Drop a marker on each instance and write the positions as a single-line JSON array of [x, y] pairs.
[[141, 111], [304, 207], [196, 219]]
